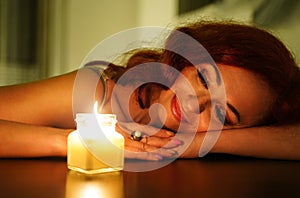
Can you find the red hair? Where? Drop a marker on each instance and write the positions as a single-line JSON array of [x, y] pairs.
[[237, 45], [258, 51]]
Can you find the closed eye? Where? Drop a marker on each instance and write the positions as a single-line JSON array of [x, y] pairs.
[[223, 117], [220, 113], [203, 78]]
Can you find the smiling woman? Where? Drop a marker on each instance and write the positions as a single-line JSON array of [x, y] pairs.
[[259, 73], [253, 71], [260, 76]]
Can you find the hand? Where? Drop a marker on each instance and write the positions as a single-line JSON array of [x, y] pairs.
[[191, 150], [155, 144]]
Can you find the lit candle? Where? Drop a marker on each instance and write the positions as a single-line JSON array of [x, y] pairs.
[[95, 146]]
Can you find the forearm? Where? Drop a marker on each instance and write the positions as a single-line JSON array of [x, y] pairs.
[[23, 140], [45, 102], [280, 142]]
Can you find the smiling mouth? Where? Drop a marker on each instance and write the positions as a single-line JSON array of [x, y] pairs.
[[143, 96], [175, 108]]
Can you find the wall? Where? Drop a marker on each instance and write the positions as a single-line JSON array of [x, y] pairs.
[[83, 24], [289, 32], [287, 29]]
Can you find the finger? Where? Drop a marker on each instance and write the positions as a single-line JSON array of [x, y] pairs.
[[142, 155], [146, 129], [142, 147], [136, 153], [163, 133], [161, 142]]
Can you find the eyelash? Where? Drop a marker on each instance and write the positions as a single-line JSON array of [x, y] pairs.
[[221, 115], [203, 79]]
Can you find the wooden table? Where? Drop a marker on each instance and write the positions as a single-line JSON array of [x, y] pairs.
[[212, 176]]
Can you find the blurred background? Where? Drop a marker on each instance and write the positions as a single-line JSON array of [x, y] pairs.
[[43, 38]]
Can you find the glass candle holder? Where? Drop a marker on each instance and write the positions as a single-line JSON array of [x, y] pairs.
[[95, 146]]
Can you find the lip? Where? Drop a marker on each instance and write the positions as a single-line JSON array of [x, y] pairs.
[[142, 97], [175, 108]]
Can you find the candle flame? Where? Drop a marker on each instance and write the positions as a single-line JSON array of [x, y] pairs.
[[96, 107]]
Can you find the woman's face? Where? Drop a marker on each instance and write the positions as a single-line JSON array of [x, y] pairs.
[[248, 99]]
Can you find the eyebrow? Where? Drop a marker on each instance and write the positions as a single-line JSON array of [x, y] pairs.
[[231, 107], [217, 75], [235, 111]]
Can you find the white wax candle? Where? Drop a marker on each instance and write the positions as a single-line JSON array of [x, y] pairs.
[[94, 149]]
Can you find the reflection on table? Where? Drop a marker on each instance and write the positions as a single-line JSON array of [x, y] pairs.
[[212, 176], [80, 185]]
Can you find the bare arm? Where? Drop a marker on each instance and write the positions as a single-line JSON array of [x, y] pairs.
[[269, 142], [36, 117], [272, 142], [49, 102], [45, 102], [275, 142], [25, 140]]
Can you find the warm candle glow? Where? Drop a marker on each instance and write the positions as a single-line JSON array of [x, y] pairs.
[[91, 191], [80, 185], [95, 146], [95, 108]]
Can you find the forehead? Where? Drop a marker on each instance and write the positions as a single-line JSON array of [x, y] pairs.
[[247, 92]]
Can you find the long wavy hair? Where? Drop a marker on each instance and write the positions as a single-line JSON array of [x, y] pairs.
[[234, 44]]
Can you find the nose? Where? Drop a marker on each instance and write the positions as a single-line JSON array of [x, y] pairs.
[[196, 103]]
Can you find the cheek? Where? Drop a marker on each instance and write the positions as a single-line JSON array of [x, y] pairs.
[[185, 86], [198, 124], [204, 121], [255, 108]]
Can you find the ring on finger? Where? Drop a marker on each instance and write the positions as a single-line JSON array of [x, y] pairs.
[[136, 136]]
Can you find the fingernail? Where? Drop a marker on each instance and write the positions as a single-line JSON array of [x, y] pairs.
[[158, 157], [169, 133], [177, 142], [175, 154], [172, 152]]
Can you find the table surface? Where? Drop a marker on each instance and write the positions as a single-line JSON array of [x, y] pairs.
[[212, 176]]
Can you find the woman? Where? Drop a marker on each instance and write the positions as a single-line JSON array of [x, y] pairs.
[[260, 77]]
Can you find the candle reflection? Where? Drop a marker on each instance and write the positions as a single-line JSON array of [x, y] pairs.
[[81, 185]]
